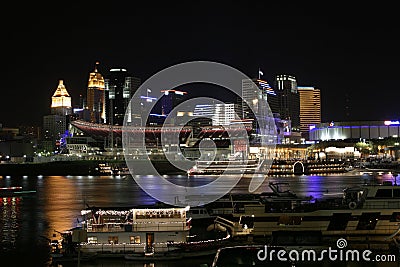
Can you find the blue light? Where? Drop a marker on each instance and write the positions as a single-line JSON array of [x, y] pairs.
[[392, 122], [157, 115], [148, 97]]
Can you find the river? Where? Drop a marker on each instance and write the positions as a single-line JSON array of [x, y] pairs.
[[27, 222]]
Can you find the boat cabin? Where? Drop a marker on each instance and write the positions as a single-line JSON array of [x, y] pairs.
[[137, 230], [384, 195]]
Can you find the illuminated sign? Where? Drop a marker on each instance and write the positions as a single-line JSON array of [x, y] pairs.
[[392, 122], [311, 127]]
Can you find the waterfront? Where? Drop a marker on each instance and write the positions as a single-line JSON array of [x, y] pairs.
[[28, 221]]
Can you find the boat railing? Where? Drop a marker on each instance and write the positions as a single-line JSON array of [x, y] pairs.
[[133, 227]]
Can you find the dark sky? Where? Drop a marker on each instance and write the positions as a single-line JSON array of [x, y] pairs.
[[342, 50]]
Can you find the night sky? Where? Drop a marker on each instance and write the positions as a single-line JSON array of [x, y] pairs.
[[351, 53]]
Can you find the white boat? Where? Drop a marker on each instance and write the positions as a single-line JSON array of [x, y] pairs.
[[251, 166], [236, 166], [144, 231], [368, 215], [197, 213], [134, 233]]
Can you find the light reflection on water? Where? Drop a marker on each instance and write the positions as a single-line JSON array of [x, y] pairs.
[[28, 221], [9, 207]]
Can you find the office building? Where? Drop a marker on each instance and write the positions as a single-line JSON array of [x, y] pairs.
[[120, 86], [310, 108], [61, 101], [259, 104], [289, 99], [96, 97], [221, 114], [355, 130], [170, 100], [54, 128], [254, 94], [55, 124]]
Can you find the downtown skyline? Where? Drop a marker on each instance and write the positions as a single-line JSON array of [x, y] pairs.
[[348, 57]]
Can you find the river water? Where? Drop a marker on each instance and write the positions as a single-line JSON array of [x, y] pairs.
[[27, 222]]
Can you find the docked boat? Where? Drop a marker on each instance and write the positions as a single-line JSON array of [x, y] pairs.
[[102, 169], [236, 166], [133, 233], [368, 215], [282, 167]]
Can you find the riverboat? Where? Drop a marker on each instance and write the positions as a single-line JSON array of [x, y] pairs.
[[234, 167], [204, 167], [133, 233]]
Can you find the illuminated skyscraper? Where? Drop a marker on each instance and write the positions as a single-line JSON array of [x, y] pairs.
[[96, 97], [310, 107], [61, 101], [120, 86], [55, 124], [257, 95], [289, 99]]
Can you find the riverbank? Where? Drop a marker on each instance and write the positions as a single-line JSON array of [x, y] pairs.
[[78, 167]]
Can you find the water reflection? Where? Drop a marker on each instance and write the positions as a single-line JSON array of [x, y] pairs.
[[26, 223], [9, 223], [61, 200]]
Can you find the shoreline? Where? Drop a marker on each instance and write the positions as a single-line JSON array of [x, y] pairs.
[[74, 168], [163, 167]]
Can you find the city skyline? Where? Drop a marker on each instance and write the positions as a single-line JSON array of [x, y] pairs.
[[350, 57]]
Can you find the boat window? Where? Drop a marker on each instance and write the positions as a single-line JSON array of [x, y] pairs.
[[384, 193], [289, 220], [92, 239], [395, 217], [113, 239], [368, 221], [135, 239], [195, 211], [247, 220], [396, 193], [339, 221]]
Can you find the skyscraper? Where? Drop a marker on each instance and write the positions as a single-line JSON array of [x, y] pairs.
[[61, 101], [54, 127], [257, 95], [96, 97], [120, 87], [310, 107], [55, 124], [256, 98], [170, 100], [289, 99]]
